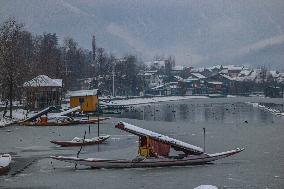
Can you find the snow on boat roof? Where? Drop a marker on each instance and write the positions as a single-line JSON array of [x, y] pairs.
[[159, 137], [43, 81], [83, 93], [66, 112]]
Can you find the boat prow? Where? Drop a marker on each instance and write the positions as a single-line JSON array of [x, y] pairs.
[[5, 161]]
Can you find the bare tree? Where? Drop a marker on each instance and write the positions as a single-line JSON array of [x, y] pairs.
[[14, 58]]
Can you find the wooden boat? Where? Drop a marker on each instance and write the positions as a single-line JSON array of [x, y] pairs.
[[50, 123], [45, 118], [40, 113], [148, 161], [64, 121], [81, 142], [153, 152], [5, 161]]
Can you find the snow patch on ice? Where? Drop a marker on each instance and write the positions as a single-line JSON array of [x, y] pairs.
[[206, 187], [137, 101]]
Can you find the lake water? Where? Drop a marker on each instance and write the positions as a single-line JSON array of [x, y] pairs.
[[229, 124]]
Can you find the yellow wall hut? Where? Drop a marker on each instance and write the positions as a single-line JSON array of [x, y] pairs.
[[87, 99]]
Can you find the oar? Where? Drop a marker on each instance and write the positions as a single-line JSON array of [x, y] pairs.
[[78, 153]]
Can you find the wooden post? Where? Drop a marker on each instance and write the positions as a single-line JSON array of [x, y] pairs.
[[203, 139], [78, 153], [89, 124], [98, 107]]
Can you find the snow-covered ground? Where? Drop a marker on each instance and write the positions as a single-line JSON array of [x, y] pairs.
[[18, 114], [137, 101], [15, 103]]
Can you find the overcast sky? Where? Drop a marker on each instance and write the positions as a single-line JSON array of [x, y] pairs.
[[248, 32]]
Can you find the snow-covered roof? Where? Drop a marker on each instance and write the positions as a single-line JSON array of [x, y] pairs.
[[196, 70], [244, 73], [215, 67], [178, 78], [177, 144], [158, 87], [274, 74], [43, 81], [224, 71], [150, 72], [178, 68], [190, 79], [198, 75], [160, 62], [83, 93], [215, 82], [280, 79], [227, 77], [173, 86], [147, 73], [233, 67]]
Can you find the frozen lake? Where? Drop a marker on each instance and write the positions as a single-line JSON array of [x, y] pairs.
[[229, 124]]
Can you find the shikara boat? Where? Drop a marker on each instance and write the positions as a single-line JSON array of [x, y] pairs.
[[81, 142], [5, 161], [45, 118], [153, 151]]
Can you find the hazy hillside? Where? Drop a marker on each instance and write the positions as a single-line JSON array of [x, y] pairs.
[[209, 32]]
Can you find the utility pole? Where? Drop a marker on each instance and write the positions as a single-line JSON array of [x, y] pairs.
[[113, 82], [98, 111]]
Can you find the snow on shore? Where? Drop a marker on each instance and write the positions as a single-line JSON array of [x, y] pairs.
[[18, 114], [267, 108], [137, 101]]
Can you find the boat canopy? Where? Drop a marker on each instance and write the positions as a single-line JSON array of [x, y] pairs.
[[176, 144], [66, 112], [42, 112]]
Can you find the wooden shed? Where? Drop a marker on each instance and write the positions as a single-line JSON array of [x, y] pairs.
[[87, 99], [42, 91]]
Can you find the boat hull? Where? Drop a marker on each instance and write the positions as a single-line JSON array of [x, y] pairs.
[[73, 143], [148, 162], [67, 123]]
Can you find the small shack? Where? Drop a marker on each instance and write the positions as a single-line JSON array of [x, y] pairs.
[[87, 99], [42, 91]]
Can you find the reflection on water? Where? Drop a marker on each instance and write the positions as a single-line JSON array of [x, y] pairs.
[[230, 113]]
